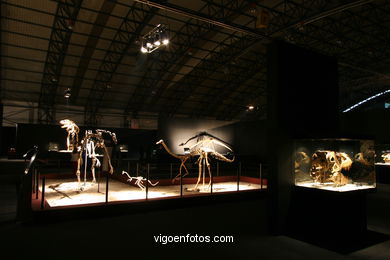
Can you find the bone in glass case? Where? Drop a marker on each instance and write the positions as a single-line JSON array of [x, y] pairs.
[[334, 164], [382, 152]]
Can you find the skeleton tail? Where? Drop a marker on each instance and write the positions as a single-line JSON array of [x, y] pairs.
[[220, 157], [152, 183]]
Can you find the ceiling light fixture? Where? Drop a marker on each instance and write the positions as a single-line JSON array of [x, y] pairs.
[[67, 93], [155, 39]]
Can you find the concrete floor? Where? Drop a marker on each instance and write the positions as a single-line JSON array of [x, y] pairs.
[[127, 236]]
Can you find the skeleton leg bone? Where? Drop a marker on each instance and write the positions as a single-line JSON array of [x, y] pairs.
[[79, 162], [68, 141], [182, 165], [109, 160], [93, 169], [199, 175], [209, 169]]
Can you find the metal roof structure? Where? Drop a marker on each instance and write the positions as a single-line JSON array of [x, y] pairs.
[[213, 67]]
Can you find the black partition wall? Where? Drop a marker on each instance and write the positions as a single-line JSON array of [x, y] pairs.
[[302, 101]]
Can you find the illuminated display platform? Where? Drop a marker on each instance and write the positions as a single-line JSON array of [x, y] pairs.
[[63, 192], [331, 187]]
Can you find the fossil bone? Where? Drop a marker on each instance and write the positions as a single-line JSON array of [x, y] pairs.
[[386, 157], [328, 166]]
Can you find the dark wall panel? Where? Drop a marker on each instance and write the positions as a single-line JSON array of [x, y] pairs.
[[302, 101]]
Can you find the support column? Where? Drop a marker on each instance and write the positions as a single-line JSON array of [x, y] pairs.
[[302, 99]]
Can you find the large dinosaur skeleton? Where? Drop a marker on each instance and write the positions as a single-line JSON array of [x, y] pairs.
[[90, 142], [73, 130], [139, 180], [204, 148]]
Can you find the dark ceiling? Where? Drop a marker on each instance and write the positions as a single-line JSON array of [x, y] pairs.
[[214, 66]]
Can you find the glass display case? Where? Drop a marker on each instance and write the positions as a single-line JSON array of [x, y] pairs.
[[382, 152], [334, 164]]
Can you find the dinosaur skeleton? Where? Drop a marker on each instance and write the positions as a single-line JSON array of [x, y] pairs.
[[204, 148], [90, 142], [139, 180], [73, 130], [328, 166]]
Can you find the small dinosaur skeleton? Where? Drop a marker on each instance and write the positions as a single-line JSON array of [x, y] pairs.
[[139, 180], [73, 130], [88, 144]]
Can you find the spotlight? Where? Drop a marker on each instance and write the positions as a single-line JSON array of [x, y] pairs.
[[251, 107], [70, 24], [164, 37], [157, 41], [154, 39], [67, 93]]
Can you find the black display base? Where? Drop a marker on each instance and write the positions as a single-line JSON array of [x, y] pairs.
[[12, 172], [382, 173], [119, 208], [333, 220]]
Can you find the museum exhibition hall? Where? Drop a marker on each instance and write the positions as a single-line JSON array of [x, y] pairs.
[[202, 129]]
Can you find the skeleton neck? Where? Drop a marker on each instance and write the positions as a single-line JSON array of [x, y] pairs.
[[169, 151]]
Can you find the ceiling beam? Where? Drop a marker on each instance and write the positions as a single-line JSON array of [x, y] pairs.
[[202, 17], [125, 36], [190, 35], [66, 15], [89, 49]]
